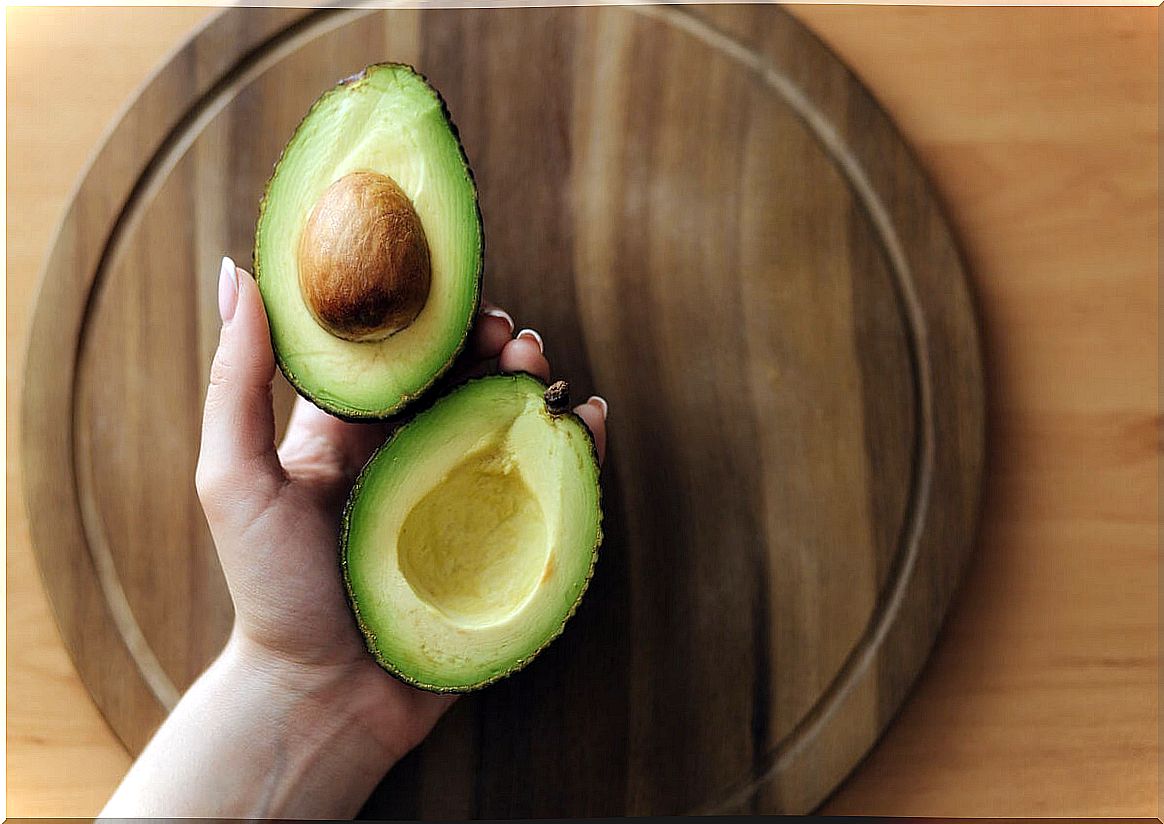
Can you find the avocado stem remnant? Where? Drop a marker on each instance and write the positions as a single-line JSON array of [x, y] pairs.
[[557, 398]]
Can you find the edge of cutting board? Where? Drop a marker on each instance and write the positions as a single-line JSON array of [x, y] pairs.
[[82, 588]]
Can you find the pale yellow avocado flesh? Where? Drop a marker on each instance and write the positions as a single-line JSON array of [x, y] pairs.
[[390, 121], [471, 534], [476, 544]]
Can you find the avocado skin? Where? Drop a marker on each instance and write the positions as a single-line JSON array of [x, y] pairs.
[[337, 410], [370, 635]]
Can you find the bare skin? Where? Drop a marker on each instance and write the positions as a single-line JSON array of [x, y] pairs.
[[293, 719]]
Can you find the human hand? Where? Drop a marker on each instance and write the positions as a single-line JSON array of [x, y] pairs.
[[275, 512]]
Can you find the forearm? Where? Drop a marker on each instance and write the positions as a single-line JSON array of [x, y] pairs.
[[250, 740]]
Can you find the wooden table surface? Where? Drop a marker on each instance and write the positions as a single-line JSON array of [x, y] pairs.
[[1039, 128]]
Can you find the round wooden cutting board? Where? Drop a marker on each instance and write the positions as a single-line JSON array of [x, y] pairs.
[[714, 225]]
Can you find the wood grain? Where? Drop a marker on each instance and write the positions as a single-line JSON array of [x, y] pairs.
[[745, 552], [1044, 146], [995, 733], [54, 730]]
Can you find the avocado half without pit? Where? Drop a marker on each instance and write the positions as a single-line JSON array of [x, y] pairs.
[[369, 245], [470, 536]]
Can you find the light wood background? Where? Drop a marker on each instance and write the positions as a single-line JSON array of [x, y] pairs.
[[1039, 128]]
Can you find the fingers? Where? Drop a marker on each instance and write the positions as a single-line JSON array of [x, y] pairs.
[[494, 329], [318, 444], [237, 464], [593, 413], [525, 354]]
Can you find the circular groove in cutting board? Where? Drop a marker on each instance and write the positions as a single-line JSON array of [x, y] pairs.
[[793, 486]]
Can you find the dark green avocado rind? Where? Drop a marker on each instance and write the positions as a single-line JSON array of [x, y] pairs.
[[345, 529], [347, 413]]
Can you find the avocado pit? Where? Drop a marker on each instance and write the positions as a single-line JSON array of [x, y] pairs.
[[364, 264]]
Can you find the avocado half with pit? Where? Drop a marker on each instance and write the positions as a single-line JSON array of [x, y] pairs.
[[470, 536], [369, 245]]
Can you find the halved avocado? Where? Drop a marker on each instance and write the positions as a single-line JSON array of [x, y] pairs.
[[470, 536], [369, 245]]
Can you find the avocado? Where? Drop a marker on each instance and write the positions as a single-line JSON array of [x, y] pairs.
[[470, 536], [369, 245]]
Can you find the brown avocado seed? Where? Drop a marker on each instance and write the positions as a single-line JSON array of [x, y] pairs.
[[364, 267]]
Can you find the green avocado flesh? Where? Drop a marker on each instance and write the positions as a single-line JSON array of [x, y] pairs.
[[386, 120], [470, 536]]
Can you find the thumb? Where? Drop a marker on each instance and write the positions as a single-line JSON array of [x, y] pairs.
[[238, 470]]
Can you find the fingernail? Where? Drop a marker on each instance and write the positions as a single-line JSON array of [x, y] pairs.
[[534, 336], [494, 312], [601, 403], [227, 289]]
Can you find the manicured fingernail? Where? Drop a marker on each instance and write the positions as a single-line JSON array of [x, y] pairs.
[[601, 403], [534, 336], [494, 312], [227, 289]]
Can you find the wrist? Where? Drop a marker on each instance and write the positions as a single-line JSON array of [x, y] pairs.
[[322, 713], [258, 736]]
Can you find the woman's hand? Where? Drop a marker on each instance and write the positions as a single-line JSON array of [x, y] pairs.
[[304, 721]]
